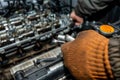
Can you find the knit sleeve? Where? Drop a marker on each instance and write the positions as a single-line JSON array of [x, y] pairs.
[[114, 56], [87, 56]]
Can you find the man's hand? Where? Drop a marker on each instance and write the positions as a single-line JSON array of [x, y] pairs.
[[78, 20]]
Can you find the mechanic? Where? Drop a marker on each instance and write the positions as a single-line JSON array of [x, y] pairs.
[[91, 56]]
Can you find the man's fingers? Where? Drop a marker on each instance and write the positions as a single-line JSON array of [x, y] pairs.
[[77, 23], [78, 20]]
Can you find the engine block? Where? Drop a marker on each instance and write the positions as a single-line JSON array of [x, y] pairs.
[[28, 38]]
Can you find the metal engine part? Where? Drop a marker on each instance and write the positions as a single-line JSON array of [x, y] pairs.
[[48, 65], [30, 39], [27, 45]]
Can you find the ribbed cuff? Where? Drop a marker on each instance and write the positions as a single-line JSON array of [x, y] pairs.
[[114, 57]]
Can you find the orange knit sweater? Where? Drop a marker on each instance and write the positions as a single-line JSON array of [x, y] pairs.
[[87, 57]]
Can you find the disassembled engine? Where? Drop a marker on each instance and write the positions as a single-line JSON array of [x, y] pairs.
[[30, 41]]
